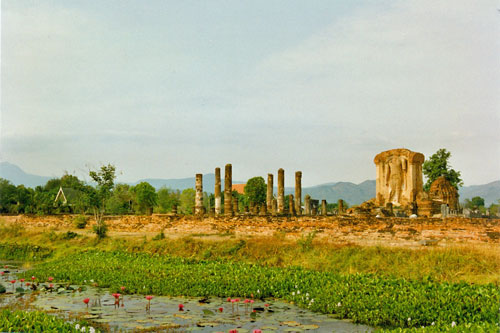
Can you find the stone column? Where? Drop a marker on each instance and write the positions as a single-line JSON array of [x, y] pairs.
[[263, 210], [307, 204], [291, 207], [269, 195], [281, 191], [218, 202], [235, 206], [323, 207], [340, 206], [198, 199], [228, 186], [298, 192], [274, 208]]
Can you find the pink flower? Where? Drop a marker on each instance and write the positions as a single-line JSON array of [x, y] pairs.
[[116, 295], [251, 301], [233, 331], [246, 301], [228, 299], [51, 278], [122, 288], [33, 278], [51, 285], [27, 283], [149, 297], [2, 273], [257, 331], [266, 305], [221, 309], [86, 300], [233, 301], [5, 266], [13, 281], [181, 307], [22, 280], [237, 300]]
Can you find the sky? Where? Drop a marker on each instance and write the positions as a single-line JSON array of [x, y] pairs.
[[168, 89]]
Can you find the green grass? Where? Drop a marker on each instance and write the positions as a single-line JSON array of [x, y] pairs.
[[35, 321], [364, 298]]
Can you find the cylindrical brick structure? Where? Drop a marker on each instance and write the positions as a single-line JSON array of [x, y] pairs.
[[274, 208], [218, 199], [298, 192], [340, 206], [198, 199], [281, 191], [228, 189], [263, 209], [307, 204], [235, 206], [269, 194], [291, 206], [323, 207]]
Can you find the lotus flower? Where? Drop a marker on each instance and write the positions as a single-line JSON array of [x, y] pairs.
[[221, 309], [51, 286], [149, 298], [13, 281], [257, 331], [2, 273], [229, 299], [51, 278], [33, 278], [181, 307], [122, 288], [22, 280], [266, 305], [86, 301]]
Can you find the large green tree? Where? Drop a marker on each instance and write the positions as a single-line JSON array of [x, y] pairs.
[[255, 190], [186, 200], [167, 198], [145, 198], [436, 166]]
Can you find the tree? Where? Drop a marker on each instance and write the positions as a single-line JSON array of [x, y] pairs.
[[474, 203], [8, 196], [436, 166], [121, 200], [187, 201], [105, 179], [145, 197], [167, 198], [255, 190]]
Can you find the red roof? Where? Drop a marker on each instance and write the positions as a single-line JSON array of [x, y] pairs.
[[239, 188]]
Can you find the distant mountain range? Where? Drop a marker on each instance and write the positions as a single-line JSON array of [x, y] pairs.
[[353, 194]]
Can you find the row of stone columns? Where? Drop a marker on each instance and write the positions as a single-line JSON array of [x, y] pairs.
[[272, 205]]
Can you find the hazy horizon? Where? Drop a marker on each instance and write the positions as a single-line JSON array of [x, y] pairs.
[[168, 89]]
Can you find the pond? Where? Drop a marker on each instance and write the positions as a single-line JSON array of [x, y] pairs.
[[131, 312]]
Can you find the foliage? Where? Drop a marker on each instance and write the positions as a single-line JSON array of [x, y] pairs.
[[145, 197], [80, 221], [121, 200], [7, 196], [104, 178], [35, 321], [186, 201], [474, 203], [255, 190], [160, 236], [364, 298], [2, 289], [167, 198], [24, 252], [436, 166], [305, 243]]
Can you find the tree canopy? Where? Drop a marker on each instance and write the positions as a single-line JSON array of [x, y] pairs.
[[255, 190], [436, 166]]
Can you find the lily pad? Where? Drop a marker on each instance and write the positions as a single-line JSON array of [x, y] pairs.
[[309, 327], [208, 312], [207, 324], [291, 323]]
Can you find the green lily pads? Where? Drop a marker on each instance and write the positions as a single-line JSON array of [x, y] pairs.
[[291, 323], [309, 327], [208, 312], [207, 324]]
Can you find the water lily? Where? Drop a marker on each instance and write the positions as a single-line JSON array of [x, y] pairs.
[[2, 273], [86, 301], [221, 309], [116, 295], [149, 298], [257, 331], [122, 288], [22, 280], [51, 278], [181, 307], [33, 278], [266, 305], [77, 326], [453, 324]]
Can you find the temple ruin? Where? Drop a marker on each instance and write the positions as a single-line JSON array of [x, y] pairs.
[[399, 177]]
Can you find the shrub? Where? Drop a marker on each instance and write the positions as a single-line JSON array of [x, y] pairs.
[[69, 235], [100, 230], [80, 221], [160, 236]]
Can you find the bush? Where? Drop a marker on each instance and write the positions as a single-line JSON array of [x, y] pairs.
[[69, 235], [80, 221], [100, 230], [2, 289]]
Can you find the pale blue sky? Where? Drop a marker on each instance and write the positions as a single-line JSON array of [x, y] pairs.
[[167, 89]]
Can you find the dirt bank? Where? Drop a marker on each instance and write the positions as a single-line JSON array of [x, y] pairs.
[[338, 229]]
